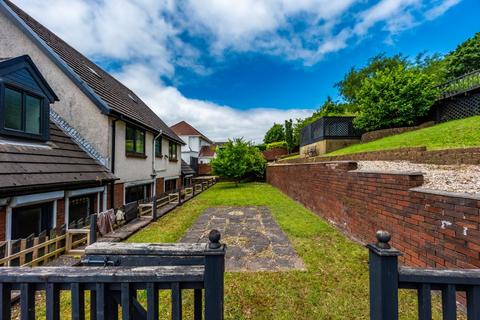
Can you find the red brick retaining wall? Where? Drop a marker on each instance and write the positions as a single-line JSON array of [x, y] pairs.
[[274, 154], [378, 134], [432, 229], [204, 169], [3, 218], [416, 155]]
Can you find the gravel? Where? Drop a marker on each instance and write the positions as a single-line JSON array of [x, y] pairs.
[[452, 178]]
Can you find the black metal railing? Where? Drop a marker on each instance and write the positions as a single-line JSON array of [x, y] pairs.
[[460, 85], [329, 128], [386, 278], [114, 273]]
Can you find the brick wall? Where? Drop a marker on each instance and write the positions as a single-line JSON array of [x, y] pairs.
[[432, 229], [204, 169], [274, 154], [159, 186], [118, 195], [60, 212], [378, 134], [416, 155], [3, 219]]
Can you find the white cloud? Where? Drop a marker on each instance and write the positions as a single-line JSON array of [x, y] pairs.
[[147, 36]]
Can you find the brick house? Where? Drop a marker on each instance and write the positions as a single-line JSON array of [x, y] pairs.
[[104, 117], [46, 179], [198, 150]]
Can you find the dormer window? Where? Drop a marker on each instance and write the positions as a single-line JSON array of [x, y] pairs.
[[23, 114], [25, 99]]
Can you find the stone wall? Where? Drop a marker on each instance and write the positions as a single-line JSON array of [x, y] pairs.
[[327, 145], [378, 134], [431, 228], [416, 155]]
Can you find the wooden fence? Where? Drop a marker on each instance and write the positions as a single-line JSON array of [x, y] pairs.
[[37, 251], [386, 278], [174, 267]]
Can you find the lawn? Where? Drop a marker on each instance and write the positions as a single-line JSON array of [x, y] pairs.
[[335, 285], [453, 134]]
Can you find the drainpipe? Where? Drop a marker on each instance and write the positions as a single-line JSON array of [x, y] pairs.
[[112, 191], [154, 172]]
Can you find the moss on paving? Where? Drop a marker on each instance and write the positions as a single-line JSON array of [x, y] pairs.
[[453, 134], [335, 285]]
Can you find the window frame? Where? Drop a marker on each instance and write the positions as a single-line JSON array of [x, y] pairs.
[[135, 153], [44, 132], [170, 153], [159, 141]]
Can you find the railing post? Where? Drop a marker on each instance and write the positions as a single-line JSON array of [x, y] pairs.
[[93, 229], [383, 265], [180, 196], [214, 277], [154, 208]]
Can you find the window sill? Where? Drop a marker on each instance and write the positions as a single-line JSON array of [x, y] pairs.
[[173, 160], [135, 155], [158, 157]]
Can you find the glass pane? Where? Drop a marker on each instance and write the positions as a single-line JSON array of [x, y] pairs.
[[130, 139], [13, 109], [140, 142], [32, 114], [158, 147]]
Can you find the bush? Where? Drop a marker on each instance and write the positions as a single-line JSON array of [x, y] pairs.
[[261, 147], [274, 134], [275, 145], [237, 160], [395, 97]]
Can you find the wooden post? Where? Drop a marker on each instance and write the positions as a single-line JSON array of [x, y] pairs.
[[383, 264], [93, 229], [179, 197], [154, 208], [214, 277]]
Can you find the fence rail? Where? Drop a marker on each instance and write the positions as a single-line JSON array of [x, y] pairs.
[[141, 267], [386, 278], [460, 85]]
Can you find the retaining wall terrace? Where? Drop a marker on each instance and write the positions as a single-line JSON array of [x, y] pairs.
[[431, 228], [456, 156]]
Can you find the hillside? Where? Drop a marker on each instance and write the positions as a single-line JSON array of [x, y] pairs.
[[453, 134]]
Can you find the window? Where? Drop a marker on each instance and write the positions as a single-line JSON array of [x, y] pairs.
[[23, 114], [31, 219], [187, 182], [137, 193], [135, 141], [81, 207], [172, 151], [170, 185], [158, 147]]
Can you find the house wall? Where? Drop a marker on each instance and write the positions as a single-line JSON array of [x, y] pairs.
[[327, 145], [431, 228], [74, 106]]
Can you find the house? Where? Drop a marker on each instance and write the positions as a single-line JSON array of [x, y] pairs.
[[46, 179], [198, 149], [104, 117]]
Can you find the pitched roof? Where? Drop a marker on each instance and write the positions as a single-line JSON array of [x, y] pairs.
[[183, 128], [107, 92], [207, 151], [27, 167], [186, 169]]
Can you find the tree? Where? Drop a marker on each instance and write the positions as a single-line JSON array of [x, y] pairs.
[[289, 135], [393, 97], [238, 159], [274, 134], [352, 81], [465, 58]]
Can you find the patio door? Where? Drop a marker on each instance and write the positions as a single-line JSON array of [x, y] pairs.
[[31, 219]]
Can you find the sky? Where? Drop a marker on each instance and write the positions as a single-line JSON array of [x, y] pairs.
[[233, 68]]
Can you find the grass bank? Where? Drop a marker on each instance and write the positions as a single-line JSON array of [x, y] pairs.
[[453, 134], [335, 285]]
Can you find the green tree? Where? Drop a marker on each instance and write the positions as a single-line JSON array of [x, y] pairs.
[[393, 97], [238, 159], [352, 81], [289, 135], [274, 134], [465, 58]]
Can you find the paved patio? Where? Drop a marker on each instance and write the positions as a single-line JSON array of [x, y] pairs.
[[254, 240]]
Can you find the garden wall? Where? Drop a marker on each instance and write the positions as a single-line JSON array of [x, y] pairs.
[[431, 228]]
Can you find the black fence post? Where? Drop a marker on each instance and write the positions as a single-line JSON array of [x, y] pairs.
[[383, 265], [154, 208], [214, 277], [93, 229]]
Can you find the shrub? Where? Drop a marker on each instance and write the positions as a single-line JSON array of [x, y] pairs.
[[394, 97], [274, 134], [239, 159], [275, 145]]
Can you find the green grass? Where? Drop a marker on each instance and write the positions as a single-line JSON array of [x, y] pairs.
[[334, 286], [453, 134]]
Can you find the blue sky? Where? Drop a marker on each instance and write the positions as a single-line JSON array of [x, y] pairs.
[[233, 68]]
